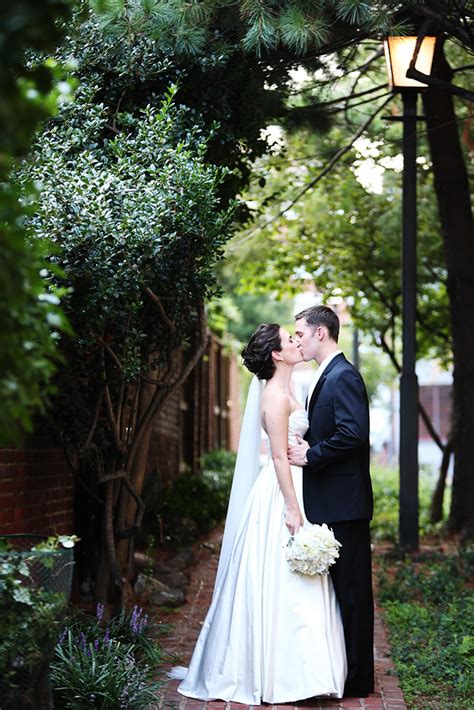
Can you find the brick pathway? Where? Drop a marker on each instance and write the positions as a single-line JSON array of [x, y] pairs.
[[186, 623]]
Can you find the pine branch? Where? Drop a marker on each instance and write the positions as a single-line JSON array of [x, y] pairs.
[[434, 82]]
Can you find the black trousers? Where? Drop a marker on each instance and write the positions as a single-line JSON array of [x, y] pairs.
[[352, 580]]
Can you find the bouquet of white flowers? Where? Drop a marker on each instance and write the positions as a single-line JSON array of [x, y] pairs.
[[312, 550]]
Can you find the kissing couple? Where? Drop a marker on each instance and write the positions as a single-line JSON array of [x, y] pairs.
[[272, 635]]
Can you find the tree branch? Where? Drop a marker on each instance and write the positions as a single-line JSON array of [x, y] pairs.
[[114, 357], [114, 425], [433, 81], [423, 413], [168, 387], [345, 149], [390, 352], [79, 478], [389, 305], [202, 342], [340, 99], [96, 417], [121, 475], [430, 427], [431, 329], [362, 71], [163, 315], [443, 20], [324, 82]]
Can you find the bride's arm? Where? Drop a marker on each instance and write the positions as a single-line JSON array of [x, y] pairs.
[[276, 416]]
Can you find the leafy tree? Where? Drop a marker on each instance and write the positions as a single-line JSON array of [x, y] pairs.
[[222, 85], [137, 227], [346, 241], [296, 28]]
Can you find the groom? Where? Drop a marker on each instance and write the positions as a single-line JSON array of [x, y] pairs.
[[336, 482]]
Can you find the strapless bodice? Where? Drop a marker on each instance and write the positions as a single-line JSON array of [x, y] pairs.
[[297, 425]]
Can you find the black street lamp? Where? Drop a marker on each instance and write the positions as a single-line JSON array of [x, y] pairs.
[[398, 54]]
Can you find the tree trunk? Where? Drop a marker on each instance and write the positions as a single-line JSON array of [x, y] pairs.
[[437, 500], [127, 505], [452, 189]]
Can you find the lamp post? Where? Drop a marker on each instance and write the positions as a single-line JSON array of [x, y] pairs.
[[398, 54]]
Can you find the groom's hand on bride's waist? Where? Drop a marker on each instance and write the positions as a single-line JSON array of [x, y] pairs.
[[297, 452]]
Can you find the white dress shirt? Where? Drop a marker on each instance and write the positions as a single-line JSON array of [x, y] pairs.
[[314, 382], [318, 373]]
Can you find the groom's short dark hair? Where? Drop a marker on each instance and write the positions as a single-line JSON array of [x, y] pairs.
[[321, 315]]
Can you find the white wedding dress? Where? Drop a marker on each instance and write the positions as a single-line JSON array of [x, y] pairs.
[[270, 635]]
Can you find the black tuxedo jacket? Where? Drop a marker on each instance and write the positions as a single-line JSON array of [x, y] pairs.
[[336, 481]]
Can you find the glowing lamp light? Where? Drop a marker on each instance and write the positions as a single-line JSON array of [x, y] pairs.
[[398, 55]]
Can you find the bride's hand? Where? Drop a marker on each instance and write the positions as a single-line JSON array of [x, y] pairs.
[[293, 520]]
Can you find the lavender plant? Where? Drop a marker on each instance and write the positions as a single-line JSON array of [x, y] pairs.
[[135, 627], [106, 665], [103, 674]]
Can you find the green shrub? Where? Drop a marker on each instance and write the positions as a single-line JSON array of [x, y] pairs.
[[193, 505], [385, 483], [29, 619]]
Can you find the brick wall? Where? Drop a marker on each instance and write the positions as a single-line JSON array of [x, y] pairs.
[[37, 486], [201, 417], [36, 492], [436, 400], [164, 453]]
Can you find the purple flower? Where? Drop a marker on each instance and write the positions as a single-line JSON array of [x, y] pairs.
[[135, 619], [82, 641], [99, 612], [107, 635], [63, 635], [96, 644], [143, 623]]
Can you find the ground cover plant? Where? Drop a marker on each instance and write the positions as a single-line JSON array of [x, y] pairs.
[[428, 605], [426, 601]]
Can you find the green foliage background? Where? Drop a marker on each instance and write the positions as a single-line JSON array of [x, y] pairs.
[[30, 316]]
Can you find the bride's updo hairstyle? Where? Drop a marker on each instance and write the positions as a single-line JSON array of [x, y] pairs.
[[257, 354]]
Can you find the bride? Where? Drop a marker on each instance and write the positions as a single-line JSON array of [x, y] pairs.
[[270, 635]]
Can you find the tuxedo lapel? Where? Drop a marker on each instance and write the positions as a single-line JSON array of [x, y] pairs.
[[322, 380], [316, 392]]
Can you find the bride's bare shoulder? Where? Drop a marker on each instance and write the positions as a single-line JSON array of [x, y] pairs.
[[274, 398]]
